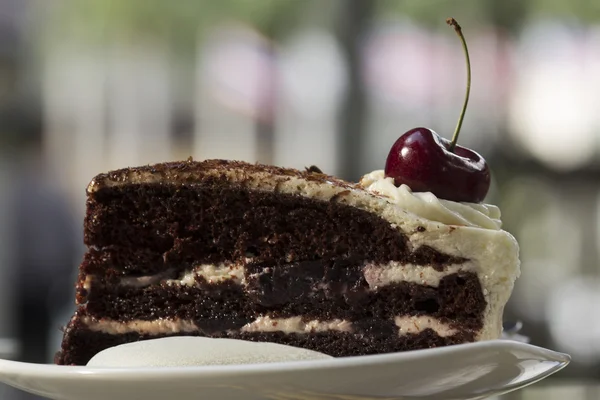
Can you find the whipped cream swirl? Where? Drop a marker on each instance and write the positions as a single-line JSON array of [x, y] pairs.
[[427, 205], [188, 351]]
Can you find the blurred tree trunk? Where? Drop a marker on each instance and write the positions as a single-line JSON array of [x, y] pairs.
[[353, 23], [265, 124], [507, 15]]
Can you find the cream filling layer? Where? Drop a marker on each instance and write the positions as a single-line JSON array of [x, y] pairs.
[[412, 325], [376, 275], [212, 273], [296, 325], [154, 327], [406, 325]]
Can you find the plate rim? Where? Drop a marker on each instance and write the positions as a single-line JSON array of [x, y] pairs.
[[562, 360]]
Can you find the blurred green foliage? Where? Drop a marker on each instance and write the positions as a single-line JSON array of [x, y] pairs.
[[586, 11], [179, 21], [509, 14], [182, 21]]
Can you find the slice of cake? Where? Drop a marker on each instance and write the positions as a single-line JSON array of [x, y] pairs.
[[234, 250]]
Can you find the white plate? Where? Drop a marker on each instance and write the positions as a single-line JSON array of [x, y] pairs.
[[469, 371]]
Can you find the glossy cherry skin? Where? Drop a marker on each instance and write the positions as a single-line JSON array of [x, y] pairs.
[[421, 160]]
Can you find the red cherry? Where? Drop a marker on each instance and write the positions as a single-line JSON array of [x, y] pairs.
[[422, 160], [427, 162]]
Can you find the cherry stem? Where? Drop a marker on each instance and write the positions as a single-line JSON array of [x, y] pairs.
[[452, 22]]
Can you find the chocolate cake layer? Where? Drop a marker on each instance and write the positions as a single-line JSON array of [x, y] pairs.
[[458, 298], [82, 344], [148, 228]]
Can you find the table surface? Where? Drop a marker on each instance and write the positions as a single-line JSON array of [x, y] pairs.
[[552, 390], [545, 390]]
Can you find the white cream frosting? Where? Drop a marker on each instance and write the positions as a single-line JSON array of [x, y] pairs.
[[296, 325], [142, 281], [196, 351], [212, 273], [406, 325], [427, 205], [378, 275], [154, 327], [412, 325]]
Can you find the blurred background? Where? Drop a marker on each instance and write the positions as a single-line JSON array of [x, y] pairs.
[[92, 85]]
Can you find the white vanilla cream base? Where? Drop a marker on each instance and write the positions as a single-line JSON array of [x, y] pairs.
[[195, 351], [212, 274], [296, 325], [412, 325], [154, 327], [406, 325], [376, 275]]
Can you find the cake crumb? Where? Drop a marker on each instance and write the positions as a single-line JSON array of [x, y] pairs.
[[337, 196], [314, 169]]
